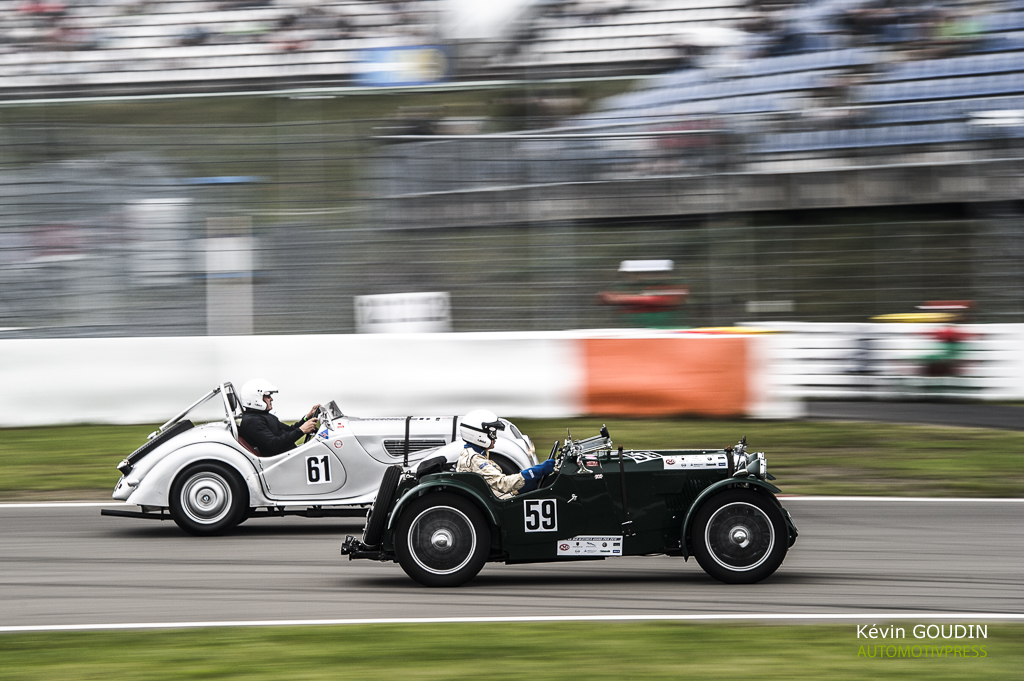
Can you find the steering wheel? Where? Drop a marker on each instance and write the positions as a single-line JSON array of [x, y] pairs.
[[320, 413], [558, 463]]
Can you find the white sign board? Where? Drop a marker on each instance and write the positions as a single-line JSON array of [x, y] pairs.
[[403, 313]]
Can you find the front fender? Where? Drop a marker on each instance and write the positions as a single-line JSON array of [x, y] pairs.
[[458, 486], [155, 488], [708, 491]]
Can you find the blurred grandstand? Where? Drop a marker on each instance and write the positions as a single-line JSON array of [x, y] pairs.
[[822, 160]]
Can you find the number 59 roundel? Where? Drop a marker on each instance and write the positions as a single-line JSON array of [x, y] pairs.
[[540, 515]]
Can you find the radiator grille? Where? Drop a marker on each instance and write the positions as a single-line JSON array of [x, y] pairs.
[[397, 447]]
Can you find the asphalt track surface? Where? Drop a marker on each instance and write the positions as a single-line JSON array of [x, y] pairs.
[[69, 566]]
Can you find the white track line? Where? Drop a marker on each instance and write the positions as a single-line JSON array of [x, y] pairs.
[[730, 617], [785, 497]]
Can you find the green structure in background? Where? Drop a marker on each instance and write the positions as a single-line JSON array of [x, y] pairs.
[[649, 294]]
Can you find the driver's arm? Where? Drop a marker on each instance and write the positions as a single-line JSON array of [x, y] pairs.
[[259, 435], [503, 485], [307, 424]]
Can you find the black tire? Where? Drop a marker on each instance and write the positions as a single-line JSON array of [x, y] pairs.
[[739, 536], [376, 518], [208, 499], [442, 540]]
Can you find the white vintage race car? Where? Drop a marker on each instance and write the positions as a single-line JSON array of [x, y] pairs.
[[208, 480]]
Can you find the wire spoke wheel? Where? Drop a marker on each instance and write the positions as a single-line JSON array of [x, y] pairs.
[[739, 536], [442, 539]]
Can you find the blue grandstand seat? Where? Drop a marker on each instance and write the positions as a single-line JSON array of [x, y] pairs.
[[1009, 21], [847, 139]]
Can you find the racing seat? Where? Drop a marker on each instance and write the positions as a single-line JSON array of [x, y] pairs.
[[248, 447]]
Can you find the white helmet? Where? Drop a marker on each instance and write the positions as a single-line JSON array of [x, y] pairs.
[[480, 427], [253, 391]]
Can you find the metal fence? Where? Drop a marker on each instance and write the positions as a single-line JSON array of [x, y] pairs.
[[275, 228]]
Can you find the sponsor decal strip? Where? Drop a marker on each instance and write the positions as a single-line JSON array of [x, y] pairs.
[[691, 461], [751, 616], [590, 546]]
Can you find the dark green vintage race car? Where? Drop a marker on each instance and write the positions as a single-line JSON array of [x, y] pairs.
[[713, 504]]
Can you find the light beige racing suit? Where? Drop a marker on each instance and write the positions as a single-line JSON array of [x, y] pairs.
[[503, 486]]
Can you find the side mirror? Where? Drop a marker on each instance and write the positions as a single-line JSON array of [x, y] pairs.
[[604, 431]]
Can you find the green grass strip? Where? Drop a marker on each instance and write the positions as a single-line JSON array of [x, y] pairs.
[[649, 650], [78, 462]]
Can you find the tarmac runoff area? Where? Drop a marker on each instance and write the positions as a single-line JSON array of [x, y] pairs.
[[858, 559]]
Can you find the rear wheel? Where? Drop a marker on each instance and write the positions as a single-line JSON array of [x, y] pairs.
[[442, 540], [739, 537], [208, 498]]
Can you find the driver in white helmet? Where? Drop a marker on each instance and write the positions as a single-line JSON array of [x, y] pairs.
[[479, 429], [261, 429]]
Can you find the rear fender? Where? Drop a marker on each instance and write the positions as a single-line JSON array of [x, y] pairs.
[[513, 451], [155, 488], [714, 489], [448, 485]]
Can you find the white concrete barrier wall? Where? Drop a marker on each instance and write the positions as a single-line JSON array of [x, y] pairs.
[[148, 380], [542, 375]]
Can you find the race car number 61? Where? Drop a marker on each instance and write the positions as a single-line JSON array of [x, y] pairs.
[[541, 515], [318, 469]]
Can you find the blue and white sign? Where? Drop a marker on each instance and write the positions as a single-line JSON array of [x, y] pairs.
[[395, 66]]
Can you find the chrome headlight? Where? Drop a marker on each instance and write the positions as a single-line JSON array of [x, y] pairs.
[[753, 464]]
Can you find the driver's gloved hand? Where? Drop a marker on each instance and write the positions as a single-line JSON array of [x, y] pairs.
[[533, 474], [539, 471]]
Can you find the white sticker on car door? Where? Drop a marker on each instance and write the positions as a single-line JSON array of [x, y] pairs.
[[318, 469], [540, 515]]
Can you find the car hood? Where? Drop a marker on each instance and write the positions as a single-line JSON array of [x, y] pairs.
[[384, 438]]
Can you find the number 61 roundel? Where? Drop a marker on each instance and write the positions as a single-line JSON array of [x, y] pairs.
[[541, 515]]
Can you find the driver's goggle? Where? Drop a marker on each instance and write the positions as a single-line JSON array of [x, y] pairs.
[[492, 428], [489, 429]]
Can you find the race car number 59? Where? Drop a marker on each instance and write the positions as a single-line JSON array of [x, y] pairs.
[[541, 515]]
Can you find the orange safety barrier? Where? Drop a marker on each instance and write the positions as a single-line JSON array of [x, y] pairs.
[[667, 376]]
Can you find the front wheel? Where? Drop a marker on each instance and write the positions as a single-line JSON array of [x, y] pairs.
[[208, 499], [442, 540], [739, 537]]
